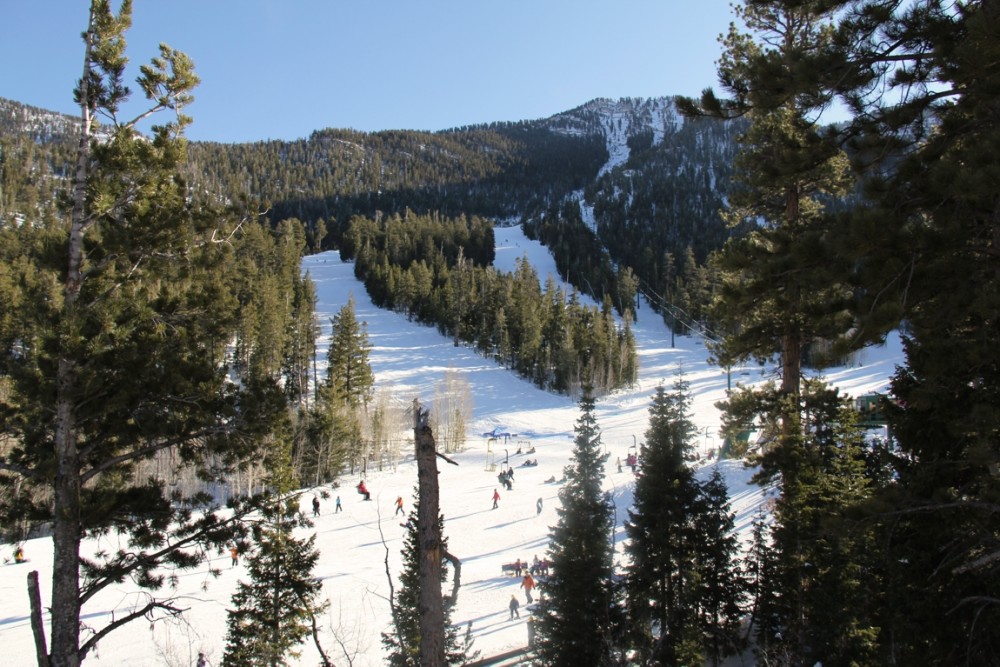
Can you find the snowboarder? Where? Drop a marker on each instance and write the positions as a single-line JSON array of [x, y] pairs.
[[538, 507], [363, 490], [315, 506], [19, 555], [338, 508], [234, 553], [496, 498], [399, 505], [514, 604], [527, 584]]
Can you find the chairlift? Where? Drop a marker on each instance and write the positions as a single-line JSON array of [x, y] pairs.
[[491, 463]]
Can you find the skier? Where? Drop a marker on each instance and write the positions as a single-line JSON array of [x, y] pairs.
[[538, 507], [315, 506], [527, 584], [514, 604], [399, 505], [363, 490], [19, 555], [496, 498], [235, 555], [202, 661], [338, 508]]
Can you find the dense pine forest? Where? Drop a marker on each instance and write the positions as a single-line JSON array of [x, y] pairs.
[[158, 338]]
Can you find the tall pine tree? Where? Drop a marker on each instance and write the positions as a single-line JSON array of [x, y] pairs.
[[333, 428], [576, 618], [114, 331], [926, 252], [783, 286], [681, 583]]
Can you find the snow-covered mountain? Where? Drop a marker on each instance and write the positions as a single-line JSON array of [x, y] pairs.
[[618, 121]]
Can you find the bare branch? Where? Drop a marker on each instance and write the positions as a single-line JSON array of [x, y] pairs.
[[392, 592], [456, 581], [148, 608]]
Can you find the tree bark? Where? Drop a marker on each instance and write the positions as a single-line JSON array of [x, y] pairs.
[[428, 530], [66, 498]]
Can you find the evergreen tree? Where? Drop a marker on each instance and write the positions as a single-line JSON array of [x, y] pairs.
[[823, 566], [403, 644], [349, 375], [576, 617], [722, 584], [683, 589], [662, 574], [759, 563], [925, 251], [276, 609], [335, 432], [782, 285], [115, 326]]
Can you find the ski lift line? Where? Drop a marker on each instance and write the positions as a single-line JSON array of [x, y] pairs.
[[692, 324]]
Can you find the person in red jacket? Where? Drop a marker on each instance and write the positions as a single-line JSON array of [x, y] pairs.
[[363, 490], [496, 498]]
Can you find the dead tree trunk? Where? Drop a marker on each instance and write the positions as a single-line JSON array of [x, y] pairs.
[[37, 625], [430, 551]]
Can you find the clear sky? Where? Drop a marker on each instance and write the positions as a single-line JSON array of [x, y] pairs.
[[275, 69]]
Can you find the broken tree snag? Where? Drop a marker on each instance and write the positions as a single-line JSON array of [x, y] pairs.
[[429, 542], [37, 627]]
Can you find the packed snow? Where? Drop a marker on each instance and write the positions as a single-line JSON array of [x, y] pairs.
[[354, 544]]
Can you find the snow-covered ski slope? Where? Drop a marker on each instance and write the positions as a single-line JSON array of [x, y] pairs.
[[355, 544]]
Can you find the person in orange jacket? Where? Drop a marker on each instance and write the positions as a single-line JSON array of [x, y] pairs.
[[527, 584]]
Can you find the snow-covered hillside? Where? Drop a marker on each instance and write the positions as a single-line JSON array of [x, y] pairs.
[[356, 543]]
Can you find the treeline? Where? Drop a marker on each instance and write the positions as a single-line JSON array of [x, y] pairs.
[[437, 272], [498, 170], [582, 260]]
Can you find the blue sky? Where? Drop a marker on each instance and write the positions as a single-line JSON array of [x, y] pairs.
[[279, 70]]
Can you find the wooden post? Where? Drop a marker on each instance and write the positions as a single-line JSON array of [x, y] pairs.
[[432, 652]]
